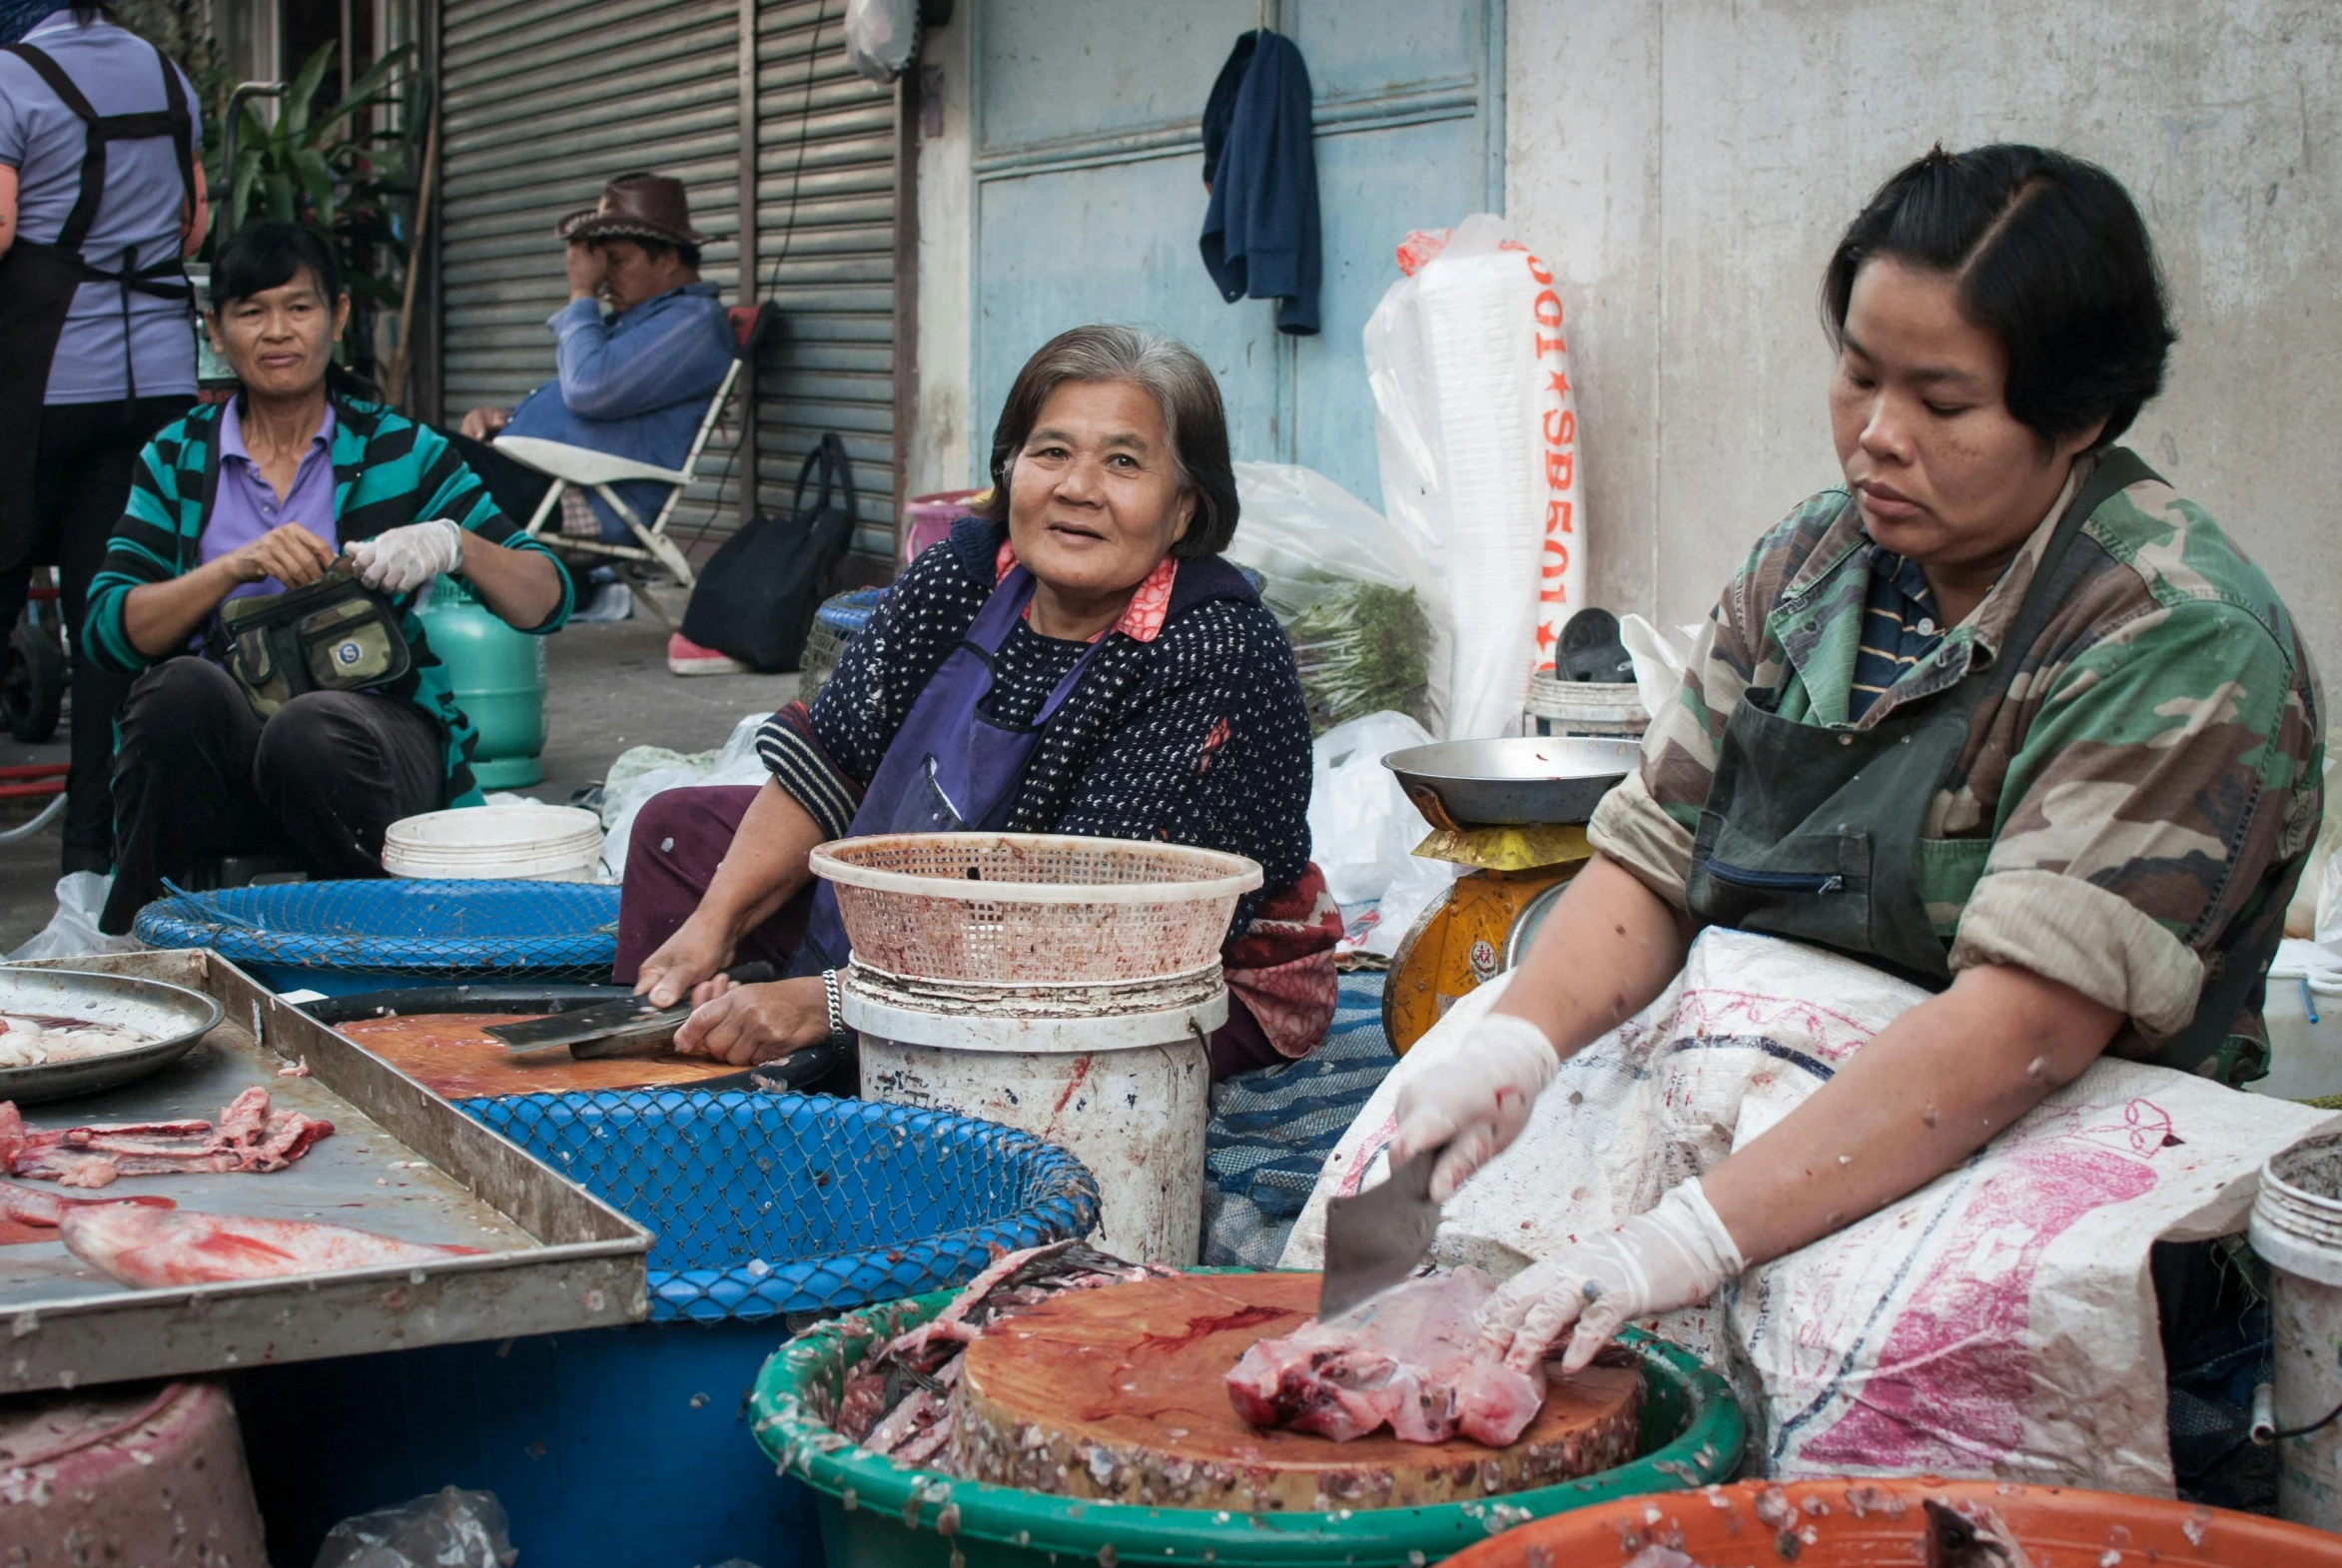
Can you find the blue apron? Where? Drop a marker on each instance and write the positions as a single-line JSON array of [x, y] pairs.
[[952, 768]]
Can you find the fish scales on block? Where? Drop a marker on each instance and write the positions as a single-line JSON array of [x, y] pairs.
[[1404, 1359]]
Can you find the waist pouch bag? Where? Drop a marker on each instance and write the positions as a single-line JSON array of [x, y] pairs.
[[335, 634], [757, 595]]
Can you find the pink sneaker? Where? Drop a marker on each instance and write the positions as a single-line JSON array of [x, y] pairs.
[[685, 657]]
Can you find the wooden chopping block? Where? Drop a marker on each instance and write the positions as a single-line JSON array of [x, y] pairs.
[[450, 1055], [1121, 1395]]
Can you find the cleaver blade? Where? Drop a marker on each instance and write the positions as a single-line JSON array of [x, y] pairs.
[[1379, 1237], [630, 1026]]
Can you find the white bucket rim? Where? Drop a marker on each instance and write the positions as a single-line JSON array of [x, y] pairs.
[[471, 830], [2271, 1179]]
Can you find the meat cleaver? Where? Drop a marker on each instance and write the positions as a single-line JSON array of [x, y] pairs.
[[629, 1027], [1377, 1238]]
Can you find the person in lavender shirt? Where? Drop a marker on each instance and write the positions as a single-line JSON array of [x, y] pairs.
[[633, 383], [301, 471]]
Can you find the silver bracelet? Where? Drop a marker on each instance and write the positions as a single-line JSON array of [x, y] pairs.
[[836, 1005]]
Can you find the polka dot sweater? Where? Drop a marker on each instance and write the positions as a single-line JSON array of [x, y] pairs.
[[1198, 737]]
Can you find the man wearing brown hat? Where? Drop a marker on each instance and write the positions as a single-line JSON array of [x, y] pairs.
[[634, 383]]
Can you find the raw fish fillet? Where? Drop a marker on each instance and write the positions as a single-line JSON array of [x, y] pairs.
[[250, 1136], [145, 1241], [1404, 1359]]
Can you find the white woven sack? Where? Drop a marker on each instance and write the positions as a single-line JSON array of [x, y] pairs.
[[1997, 1322]]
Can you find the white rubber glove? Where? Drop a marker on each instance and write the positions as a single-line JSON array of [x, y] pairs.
[[1477, 1102], [397, 560], [1676, 1254]]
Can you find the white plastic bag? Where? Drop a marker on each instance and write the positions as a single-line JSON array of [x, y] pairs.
[[881, 37], [1338, 577], [449, 1529], [1476, 437], [1362, 828], [73, 929], [643, 771]]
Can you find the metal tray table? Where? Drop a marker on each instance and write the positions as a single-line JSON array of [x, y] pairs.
[[402, 1162]]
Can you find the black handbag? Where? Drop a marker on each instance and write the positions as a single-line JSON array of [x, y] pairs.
[[334, 634], [756, 596]]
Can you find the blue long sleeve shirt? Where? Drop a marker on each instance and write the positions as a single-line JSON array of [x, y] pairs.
[[634, 386], [1261, 227]]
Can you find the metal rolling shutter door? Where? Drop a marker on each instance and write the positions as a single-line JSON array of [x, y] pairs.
[[825, 193], [545, 100]]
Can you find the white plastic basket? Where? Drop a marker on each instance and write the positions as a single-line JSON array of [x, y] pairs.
[[1026, 908]]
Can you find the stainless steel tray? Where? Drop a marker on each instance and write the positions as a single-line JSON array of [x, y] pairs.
[[402, 1162]]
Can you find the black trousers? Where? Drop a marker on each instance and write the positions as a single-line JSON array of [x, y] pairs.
[[199, 776], [516, 490], [81, 481]]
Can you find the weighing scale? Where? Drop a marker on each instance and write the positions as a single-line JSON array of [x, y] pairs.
[[1514, 812]]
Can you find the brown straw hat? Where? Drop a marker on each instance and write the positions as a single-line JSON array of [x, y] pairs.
[[635, 207]]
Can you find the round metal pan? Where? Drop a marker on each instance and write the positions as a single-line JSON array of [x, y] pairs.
[[1522, 782], [172, 1017]]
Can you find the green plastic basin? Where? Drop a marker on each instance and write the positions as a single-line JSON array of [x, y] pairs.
[[877, 1514]]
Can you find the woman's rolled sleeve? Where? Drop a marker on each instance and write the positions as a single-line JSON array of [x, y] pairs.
[[2163, 792], [790, 752]]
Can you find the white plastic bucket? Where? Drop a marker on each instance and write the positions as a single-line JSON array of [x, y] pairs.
[[528, 843], [2297, 1227], [1586, 707], [1119, 1076]]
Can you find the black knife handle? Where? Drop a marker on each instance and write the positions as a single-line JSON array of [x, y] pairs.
[[754, 973]]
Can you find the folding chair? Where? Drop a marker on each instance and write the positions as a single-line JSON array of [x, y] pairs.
[[586, 468]]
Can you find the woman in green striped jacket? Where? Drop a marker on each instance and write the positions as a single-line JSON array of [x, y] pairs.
[[259, 495]]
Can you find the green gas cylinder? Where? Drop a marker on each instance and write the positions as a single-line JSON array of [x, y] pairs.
[[499, 679]]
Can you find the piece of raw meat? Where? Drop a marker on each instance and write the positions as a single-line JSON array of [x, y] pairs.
[[144, 1241], [250, 1136], [1404, 1359]]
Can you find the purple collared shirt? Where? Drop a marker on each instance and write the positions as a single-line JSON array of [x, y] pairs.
[[247, 506]]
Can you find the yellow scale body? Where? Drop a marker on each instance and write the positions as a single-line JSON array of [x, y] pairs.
[[1483, 924]]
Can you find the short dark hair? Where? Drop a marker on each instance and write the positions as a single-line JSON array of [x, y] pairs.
[[269, 253], [1182, 385], [2052, 257]]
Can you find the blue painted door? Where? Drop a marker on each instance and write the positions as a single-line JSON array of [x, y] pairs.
[[1090, 190]]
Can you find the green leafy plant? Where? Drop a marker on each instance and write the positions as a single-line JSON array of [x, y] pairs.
[[322, 165]]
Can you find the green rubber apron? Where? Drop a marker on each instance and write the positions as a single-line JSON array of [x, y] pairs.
[[1814, 834]]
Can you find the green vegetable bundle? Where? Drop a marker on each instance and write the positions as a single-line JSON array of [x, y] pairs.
[[1362, 649]]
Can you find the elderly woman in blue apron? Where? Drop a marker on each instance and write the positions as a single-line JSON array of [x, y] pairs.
[[1076, 658], [2002, 715], [100, 195]]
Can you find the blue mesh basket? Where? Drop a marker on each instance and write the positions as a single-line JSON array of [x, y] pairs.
[[765, 1204], [340, 936]]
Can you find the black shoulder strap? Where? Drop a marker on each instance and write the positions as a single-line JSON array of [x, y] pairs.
[[175, 122]]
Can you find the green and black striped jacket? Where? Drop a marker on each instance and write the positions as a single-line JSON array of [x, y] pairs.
[[388, 471]]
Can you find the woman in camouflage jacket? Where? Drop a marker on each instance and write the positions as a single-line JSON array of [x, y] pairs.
[[2001, 714]]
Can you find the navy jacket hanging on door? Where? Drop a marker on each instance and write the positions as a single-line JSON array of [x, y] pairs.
[[1261, 225]]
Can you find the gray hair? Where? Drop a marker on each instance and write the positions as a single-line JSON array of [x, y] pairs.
[[1182, 385]]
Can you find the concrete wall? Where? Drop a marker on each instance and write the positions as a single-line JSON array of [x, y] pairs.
[[1687, 165]]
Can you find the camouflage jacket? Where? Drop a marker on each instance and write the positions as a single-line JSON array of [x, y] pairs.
[[2150, 779]]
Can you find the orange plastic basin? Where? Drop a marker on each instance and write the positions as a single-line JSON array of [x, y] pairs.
[[1862, 1523]]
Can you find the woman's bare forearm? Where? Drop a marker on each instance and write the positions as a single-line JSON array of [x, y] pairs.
[[1927, 1092], [159, 617], [1608, 948], [765, 867], [523, 587]]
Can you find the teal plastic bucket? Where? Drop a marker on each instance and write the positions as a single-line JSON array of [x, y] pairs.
[[876, 1513], [499, 679]]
